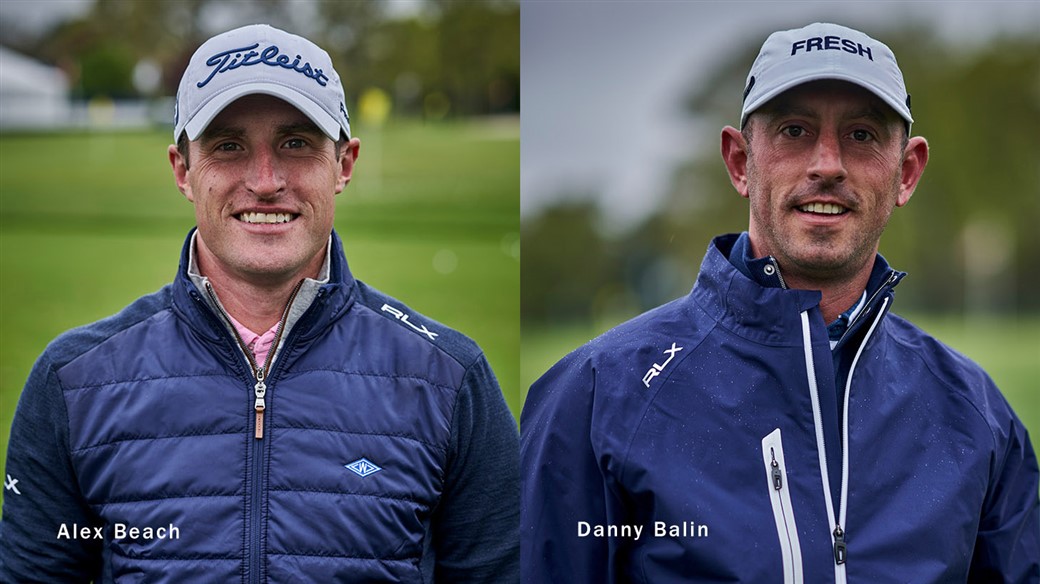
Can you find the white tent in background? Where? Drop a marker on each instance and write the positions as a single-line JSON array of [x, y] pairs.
[[32, 95]]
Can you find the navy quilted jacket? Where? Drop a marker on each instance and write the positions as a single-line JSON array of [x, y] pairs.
[[725, 430], [388, 454]]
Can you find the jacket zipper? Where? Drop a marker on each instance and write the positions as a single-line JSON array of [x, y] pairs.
[[838, 534], [783, 510], [840, 548], [259, 373], [844, 419], [259, 406], [779, 276], [863, 311]]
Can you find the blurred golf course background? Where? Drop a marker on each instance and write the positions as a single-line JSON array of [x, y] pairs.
[[624, 187], [90, 217]]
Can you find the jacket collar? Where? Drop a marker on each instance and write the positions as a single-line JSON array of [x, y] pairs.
[[765, 270], [766, 313], [331, 298]]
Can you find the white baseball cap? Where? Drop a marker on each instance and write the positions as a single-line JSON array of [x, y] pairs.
[[824, 51], [259, 59]]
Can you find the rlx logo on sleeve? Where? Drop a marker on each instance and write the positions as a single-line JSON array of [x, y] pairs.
[[11, 484], [656, 369], [404, 318]]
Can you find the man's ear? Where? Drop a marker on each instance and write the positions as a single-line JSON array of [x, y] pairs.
[[180, 171], [915, 157], [735, 155], [348, 155]]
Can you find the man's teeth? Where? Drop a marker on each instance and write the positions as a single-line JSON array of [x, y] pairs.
[[825, 208], [266, 217]]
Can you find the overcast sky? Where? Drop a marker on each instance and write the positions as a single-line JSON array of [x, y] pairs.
[[601, 82]]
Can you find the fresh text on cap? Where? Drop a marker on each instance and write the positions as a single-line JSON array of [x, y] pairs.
[[831, 43]]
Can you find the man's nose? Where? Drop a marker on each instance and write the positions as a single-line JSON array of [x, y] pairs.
[[827, 164], [266, 176]]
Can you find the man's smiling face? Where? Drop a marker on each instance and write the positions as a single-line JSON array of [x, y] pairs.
[[263, 179], [825, 168]]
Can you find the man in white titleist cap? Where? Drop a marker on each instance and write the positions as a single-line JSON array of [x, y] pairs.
[[266, 417], [779, 423]]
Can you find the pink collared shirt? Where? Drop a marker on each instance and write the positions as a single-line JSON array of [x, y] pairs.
[[259, 345]]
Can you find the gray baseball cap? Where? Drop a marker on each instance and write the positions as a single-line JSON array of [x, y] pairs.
[[824, 51], [259, 59]]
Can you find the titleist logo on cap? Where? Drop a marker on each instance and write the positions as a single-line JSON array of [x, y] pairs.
[[259, 59], [270, 56]]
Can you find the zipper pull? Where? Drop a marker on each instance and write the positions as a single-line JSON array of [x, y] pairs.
[[840, 551], [260, 389], [778, 477]]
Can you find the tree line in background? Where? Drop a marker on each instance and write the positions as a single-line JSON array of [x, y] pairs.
[[449, 58], [969, 239]]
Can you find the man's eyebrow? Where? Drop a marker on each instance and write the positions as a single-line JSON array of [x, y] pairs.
[[784, 109], [213, 133], [307, 127], [221, 133], [871, 112]]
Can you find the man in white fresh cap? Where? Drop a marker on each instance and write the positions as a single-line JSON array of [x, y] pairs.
[[266, 417], [778, 424]]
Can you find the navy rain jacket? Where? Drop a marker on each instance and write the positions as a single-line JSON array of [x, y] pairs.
[[146, 419], [722, 427]]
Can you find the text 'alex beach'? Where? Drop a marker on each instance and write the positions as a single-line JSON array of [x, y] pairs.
[[119, 531]]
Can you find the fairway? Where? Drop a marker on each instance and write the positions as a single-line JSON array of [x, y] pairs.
[[89, 222]]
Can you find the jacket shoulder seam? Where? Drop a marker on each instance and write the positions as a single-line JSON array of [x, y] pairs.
[[653, 398], [960, 395], [64, 356], [464, 342], [442, 475]]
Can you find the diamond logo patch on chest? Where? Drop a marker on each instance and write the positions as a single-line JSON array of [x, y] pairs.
[[362, 467]]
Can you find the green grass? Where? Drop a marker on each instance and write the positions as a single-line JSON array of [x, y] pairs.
[[89, 222], [1007, 348]]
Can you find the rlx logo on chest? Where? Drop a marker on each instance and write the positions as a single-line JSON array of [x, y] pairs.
[[656, 369], [404, 318]]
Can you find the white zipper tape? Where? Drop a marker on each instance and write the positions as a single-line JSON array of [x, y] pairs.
[[783, 510]]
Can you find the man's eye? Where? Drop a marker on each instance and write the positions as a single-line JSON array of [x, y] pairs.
[[227, 147], [861, 135], [295, 143], [794, 131]]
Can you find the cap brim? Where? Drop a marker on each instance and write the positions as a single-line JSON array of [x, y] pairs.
[[899, 107], [198, 123]]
